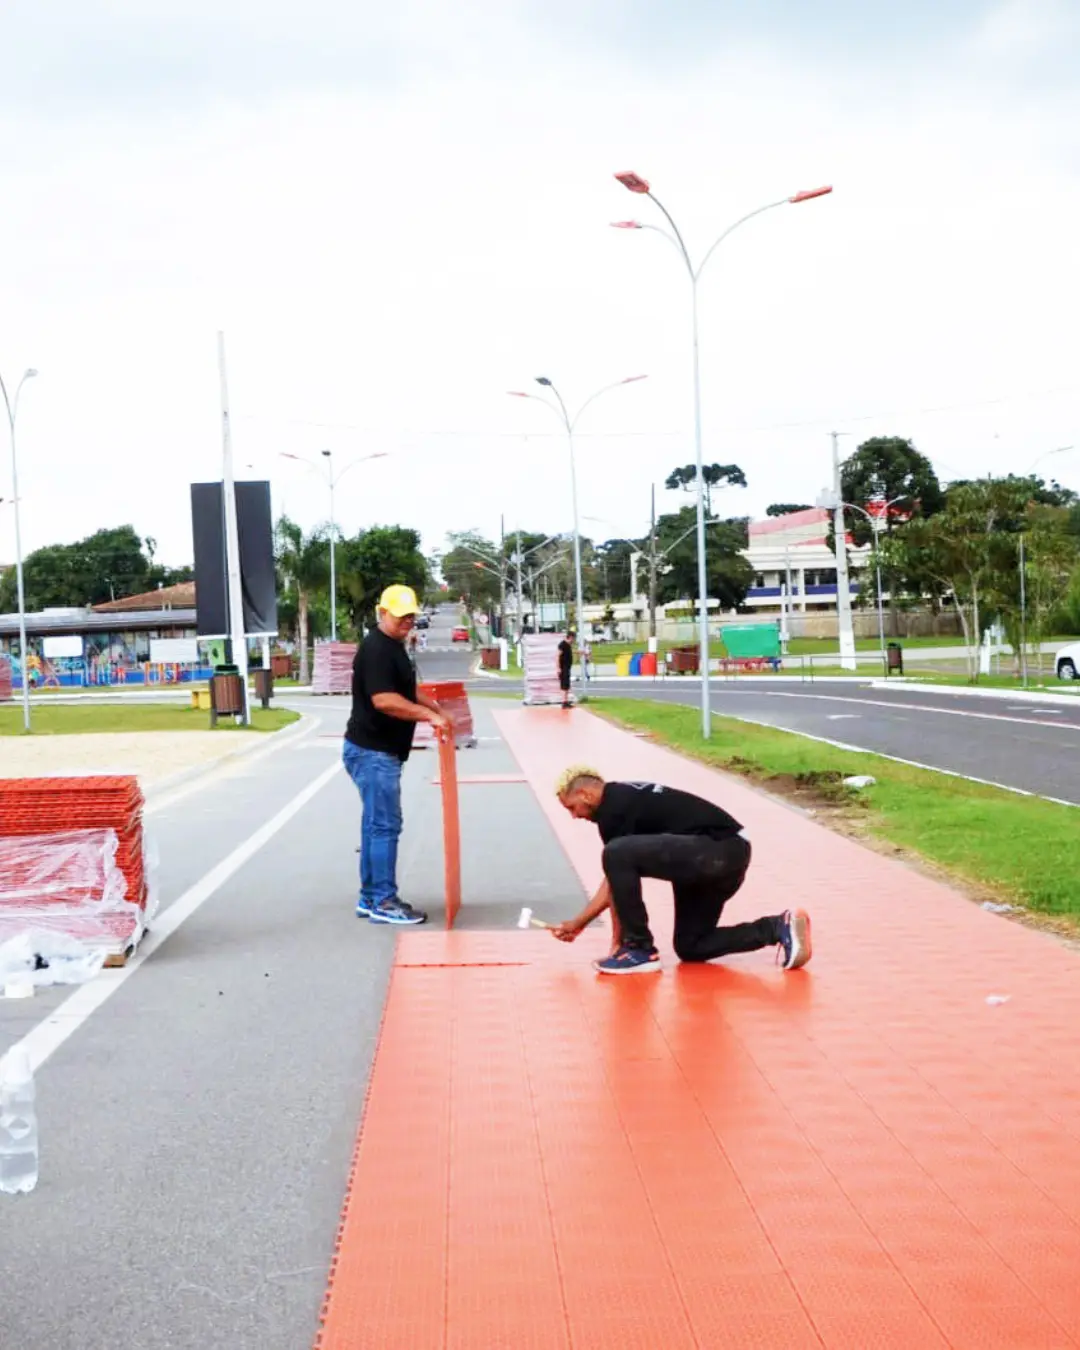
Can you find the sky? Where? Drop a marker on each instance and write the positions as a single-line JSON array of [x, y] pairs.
[[397, 217]]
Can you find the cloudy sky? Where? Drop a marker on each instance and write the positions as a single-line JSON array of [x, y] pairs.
[[397, 213]]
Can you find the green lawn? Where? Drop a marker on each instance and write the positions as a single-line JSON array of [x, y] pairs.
[[67, 719], [1021, 849]]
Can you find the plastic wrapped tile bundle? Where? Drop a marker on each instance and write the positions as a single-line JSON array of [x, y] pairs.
[[540, 653], [69, 883], [45, 816], [5, 679], [451, 696], [333, 668]]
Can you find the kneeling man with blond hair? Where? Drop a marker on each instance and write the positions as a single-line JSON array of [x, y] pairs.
[[654, 831]]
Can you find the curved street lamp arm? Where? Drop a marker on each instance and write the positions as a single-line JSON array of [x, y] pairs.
[[593, 397], [731, 228], [680, 243], [360, 459], [539, 398]]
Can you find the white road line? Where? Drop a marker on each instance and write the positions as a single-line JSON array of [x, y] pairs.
[[909, 707], [842, 717], [48, 1036], [911, 763]]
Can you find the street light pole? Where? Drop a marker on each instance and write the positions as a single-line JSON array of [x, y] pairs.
[[562, 412], [633, 182], [12, 407], [333, 481], [333, 550]]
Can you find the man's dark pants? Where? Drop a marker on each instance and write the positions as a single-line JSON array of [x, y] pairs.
[[704, 874]]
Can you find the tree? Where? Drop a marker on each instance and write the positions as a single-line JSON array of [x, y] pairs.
[[713, 474], [470, 567], [106, 565], [385, 555], [303, 565], [612, 563], [728, 574], [968, 549], [785, 509]]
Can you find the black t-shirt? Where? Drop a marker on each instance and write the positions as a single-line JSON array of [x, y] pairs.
[[566, 657], [381, 666], [648, 808]]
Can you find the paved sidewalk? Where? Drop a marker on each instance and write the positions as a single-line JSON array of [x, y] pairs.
[[867, 1153]]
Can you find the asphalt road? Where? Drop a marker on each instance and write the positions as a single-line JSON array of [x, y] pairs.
[[197, 1124], [1031, 746]]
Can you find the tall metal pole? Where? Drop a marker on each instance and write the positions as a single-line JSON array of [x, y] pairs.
[[12, 406], [333, 548], [232, 540], [633, 182], [652, 566], [502, 576], [1023, 615], [876, 527], [520, 599], [843, 585]]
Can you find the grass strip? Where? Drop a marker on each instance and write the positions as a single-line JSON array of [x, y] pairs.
[[1021, 849], [72, 719]]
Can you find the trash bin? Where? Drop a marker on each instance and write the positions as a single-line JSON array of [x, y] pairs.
[[894, 655], [683, 660], [226, 694], [264, 685], [490, 658], [648, 663], [635, 663], [280, 665], [622, 664]]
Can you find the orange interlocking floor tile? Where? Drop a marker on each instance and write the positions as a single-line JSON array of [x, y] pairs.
[[862, 1154]]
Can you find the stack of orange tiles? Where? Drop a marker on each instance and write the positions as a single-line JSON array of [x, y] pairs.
[[333, 668], [41, 807]]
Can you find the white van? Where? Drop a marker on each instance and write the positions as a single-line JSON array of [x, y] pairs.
[[1067, 662]]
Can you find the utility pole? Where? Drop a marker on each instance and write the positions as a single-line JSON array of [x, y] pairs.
[[237, 638], [843, 585], [652, 566], [502, 576], [520, 602]]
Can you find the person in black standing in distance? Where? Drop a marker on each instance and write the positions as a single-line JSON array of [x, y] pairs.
[[654, 831], [386, 707], [566, 664]]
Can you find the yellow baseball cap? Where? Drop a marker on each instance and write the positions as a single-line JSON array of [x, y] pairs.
[[399, 601]]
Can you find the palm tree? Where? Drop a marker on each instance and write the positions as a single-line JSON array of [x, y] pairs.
[[304, 562]]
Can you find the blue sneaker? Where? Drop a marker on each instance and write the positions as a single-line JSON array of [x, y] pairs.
[[396, 912], [363, 908], [630, 961], [796, 946]]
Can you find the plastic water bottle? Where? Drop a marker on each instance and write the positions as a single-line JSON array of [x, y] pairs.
[[18, 1124]]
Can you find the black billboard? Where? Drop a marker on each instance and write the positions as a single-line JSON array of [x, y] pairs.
[[257, 580]]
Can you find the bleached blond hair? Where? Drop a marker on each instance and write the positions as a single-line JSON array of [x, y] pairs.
[[572, 778]]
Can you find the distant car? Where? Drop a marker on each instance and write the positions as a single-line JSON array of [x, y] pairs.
[[459, 635], [1067, 662], [422, 621]]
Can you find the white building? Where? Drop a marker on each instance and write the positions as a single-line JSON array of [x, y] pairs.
[[791, 558]]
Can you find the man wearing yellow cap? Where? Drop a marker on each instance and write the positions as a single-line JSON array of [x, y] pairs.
[[386, 707]]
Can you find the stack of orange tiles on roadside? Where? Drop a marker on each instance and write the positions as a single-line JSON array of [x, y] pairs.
[[72, 858], [333, 668]]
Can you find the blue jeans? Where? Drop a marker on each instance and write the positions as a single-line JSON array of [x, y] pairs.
[[378, 779]]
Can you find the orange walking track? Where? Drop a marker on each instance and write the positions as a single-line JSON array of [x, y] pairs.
[[863, 1154]]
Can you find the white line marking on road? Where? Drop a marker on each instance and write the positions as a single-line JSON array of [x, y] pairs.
[[908, 707], [41, 1041], [842, 717], [911, 763], [1023, 707]]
